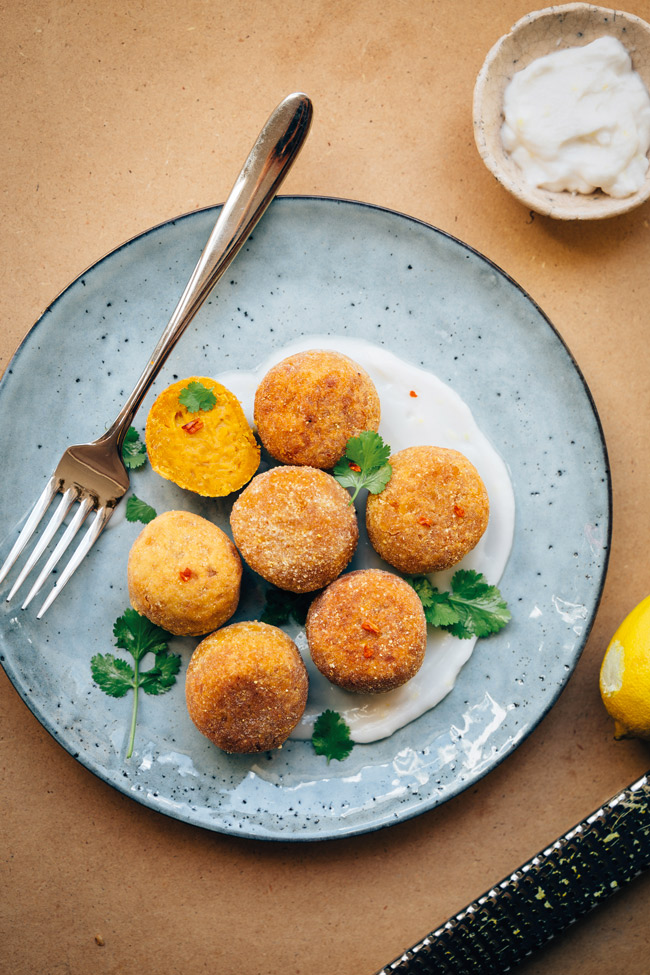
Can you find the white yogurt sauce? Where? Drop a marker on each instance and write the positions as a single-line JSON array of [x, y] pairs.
[[579, 120], [435, 416]]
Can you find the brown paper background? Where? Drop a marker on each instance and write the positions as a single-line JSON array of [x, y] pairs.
[[117, 116]]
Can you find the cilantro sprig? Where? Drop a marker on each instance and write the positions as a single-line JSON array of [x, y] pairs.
[[116, 677], [364, 464], [138, 510], [472, 608], [134, 452], [331, 736], [281, 606], [197, 397]]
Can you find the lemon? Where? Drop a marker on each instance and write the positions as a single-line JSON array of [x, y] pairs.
[[625, 675]]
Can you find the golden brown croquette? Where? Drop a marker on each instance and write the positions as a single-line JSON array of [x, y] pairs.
[[184, 574], [433, 511], [246, 687], [295, 527], [367, 631], [309, 405]]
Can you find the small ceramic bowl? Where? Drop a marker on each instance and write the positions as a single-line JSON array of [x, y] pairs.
[[536, 34]]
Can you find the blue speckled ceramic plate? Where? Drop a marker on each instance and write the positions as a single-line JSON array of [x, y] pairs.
[[314, 266]]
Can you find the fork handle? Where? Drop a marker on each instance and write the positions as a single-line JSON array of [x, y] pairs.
[[267, 165]]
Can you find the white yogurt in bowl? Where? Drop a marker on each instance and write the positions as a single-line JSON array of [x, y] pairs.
[[417, 408], [578, 119]]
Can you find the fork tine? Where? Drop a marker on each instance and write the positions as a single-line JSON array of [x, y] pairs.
[[92, 534], [55, 522], [75, 524], [30, 525]]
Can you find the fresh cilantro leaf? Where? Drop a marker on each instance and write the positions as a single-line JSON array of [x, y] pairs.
[[331, 736], [472, 608], [482, 607], [281, 607], [197, 397], [114, 676], [424, 589], [134, 452], [162, 675], [441, 611], [364, 464], [137, 510], [139, 635]]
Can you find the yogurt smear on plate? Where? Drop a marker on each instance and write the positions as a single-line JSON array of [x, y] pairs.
[[417, 408]]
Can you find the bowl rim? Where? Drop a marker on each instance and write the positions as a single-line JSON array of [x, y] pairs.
[[548, 202]]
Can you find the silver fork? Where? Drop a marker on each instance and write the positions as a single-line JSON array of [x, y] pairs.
[[92, 475]]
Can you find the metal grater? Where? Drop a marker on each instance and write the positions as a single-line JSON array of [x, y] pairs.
[[543, 897]]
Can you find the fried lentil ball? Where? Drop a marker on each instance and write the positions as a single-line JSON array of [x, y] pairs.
[[184, 574], [367, 631], [212, 452], [309, 405], [432, 512], [246, 687], [295, 526]]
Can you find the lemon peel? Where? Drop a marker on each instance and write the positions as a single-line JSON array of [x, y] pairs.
[[625, 675]]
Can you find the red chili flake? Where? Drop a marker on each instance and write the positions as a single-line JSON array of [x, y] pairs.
[[423, 520], [354, 467], [413, 394], [369, 627], [458, 511], [185, 574], [193, 426], [368, 652]]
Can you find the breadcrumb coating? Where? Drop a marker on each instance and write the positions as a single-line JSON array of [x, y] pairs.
[[295, 527], [184, 574], [246, 687], [309, 405], [432, 512], [367, 631]]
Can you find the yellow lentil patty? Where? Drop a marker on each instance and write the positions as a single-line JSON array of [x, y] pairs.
[[210, 452], [309, 405], [432, 512], [367, 631], [295, 527], [184, 574], [246, 687]]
